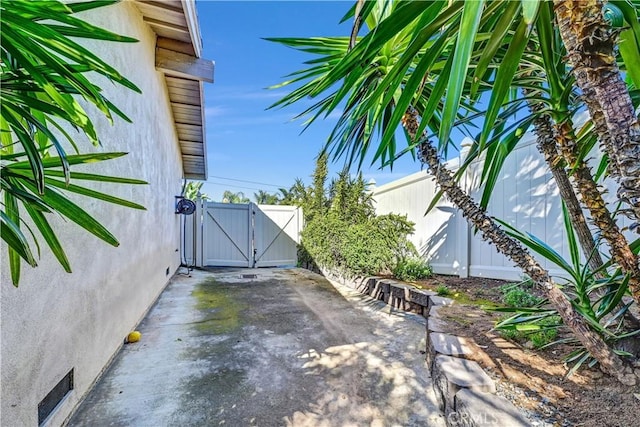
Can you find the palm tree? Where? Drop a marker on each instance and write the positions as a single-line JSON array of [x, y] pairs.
[[393, 88], [297, 194], [264, 198], [590, 43], [43, 75], [231, 197]]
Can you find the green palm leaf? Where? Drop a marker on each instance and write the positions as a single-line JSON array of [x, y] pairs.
[[471, 14]]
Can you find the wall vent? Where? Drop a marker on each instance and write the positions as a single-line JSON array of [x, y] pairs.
[[55, 396]]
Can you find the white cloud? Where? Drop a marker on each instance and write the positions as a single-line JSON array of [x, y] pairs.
[[215, 111]]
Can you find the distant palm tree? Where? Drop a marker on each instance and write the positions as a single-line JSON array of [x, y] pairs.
[[231, 197], [264, 198], [298, 194]]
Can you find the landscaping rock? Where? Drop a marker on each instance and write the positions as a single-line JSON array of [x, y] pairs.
[[439, 301], [435, 322], [451, 374], [448, 345], [473, 408], [398, 292]]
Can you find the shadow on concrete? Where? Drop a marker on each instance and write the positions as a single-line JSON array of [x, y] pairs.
[[285, 348]]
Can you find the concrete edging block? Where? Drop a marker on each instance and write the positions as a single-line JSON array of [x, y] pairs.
[[435, 322], [367, 285], [439, 343], [418, 296], [398, 296], [451, 374], [436, 300], [381, 290], [474, 408]]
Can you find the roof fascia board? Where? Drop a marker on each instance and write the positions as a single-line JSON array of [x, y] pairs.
[[191, 15]]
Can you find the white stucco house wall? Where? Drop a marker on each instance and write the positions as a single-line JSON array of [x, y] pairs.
[[56, 323]]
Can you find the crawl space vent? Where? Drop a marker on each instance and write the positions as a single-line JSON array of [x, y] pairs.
[[55, 396]]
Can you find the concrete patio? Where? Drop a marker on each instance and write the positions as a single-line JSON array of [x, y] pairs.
[[283, 347]]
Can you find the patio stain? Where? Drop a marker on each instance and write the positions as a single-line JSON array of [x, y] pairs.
[[227, 379], [222, 313]]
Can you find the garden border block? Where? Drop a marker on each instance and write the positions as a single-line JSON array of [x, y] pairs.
[[477, 408], [439, 343], [451, 374]]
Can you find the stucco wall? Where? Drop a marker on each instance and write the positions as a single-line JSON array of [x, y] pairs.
[[57, 321]]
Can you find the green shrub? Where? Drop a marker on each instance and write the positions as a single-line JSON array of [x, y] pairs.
[[540, 332], [524, 284], [342, 232], [443, 290], [412, 269], [518, 297], [369, 247], [547, 333], [511, 334]]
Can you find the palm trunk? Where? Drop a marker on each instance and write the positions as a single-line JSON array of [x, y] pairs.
[[546, 143], [592, 198], [590, 45], [491, 232]]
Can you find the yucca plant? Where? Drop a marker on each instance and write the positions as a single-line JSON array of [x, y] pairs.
[[598, 300], [43, 75]]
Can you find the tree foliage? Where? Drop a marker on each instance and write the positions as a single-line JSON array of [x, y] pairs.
[[192, 189], [265, 198], [231, 197], [342, 232], [44, 74]]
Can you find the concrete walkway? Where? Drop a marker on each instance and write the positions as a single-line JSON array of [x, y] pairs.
[[286, 348]]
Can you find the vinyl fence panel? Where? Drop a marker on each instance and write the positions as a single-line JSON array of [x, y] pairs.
[[525, 197]]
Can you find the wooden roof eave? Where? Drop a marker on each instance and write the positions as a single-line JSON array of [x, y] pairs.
[[178, 57]]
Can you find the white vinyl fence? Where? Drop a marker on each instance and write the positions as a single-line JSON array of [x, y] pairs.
[[525, 197]]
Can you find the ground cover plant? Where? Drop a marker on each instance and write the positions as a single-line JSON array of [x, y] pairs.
[[412, 269], [532, 378]]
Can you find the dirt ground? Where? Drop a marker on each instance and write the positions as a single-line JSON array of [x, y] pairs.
[[535, 380]]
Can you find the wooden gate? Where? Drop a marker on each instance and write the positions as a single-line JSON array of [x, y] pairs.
[[244, 235]]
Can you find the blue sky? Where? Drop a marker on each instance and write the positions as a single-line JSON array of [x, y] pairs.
[[246, 142]]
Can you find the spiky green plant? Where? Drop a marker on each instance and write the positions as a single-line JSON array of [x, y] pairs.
[[44, 72]]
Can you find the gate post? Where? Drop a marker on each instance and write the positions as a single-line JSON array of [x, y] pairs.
[[198, 231], [251, 248]]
